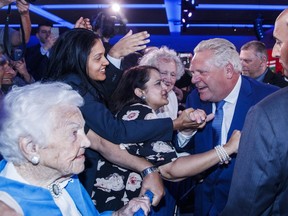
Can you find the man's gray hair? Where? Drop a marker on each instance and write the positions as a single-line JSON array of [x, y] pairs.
[[224, 52]]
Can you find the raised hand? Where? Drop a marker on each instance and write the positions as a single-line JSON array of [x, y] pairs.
[[83, 23], [130, 43], [191, 119]]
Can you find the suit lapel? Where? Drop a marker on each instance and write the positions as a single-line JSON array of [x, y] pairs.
[[243, 104]]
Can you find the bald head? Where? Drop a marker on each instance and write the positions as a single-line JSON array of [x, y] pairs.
[[283, 15], [280, 33]]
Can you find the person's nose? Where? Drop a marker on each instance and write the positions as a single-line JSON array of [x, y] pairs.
[[105, 62], [168, 78], [8, 69], [164, 87], [276, 51], [85, 142], [195, 78]]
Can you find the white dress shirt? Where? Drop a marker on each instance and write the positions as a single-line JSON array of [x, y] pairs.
[[228, 113]]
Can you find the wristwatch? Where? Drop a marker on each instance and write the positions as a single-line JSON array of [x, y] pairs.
[[149, 170]]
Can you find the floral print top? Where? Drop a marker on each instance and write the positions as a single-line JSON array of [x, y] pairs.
[[115, 186]]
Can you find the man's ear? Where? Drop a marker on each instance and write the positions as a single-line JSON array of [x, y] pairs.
[[138, 92], [28, 148], [264, 60], [229, 69]]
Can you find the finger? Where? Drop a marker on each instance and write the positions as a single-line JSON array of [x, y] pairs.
[[143, 34], [138, 48], [210, 117], [197, 116], [156, 200], [128, 34], [78, 22], [200, 115]]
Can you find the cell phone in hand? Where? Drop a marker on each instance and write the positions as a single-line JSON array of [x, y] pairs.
[[55, 32]]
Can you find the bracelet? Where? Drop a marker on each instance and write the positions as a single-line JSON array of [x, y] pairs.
[[148, 170], [222, 155]]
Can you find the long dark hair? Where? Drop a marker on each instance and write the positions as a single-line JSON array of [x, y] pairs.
[[135, 77], [70, 54]]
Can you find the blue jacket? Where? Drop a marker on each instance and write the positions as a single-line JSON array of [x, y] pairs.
[[37, 200], [260, 179], [211, 195]]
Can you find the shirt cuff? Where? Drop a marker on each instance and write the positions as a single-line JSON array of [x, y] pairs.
[[116, 62], [183, 139]]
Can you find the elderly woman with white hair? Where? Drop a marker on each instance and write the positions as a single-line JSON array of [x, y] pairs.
[[42, 141], [171, 69]]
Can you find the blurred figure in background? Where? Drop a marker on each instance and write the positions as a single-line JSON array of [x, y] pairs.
[[37, 56], [254, 57], [15, 35], [14, 73]]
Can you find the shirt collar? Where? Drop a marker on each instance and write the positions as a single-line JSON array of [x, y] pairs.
[[233, 96]]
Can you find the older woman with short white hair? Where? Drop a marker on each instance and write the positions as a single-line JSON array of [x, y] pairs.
[[42, 141], [171, 69]]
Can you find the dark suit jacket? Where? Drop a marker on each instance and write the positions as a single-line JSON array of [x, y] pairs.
[[36, 62], [274, 79], [100, 120], [260, 180], [212, 194]]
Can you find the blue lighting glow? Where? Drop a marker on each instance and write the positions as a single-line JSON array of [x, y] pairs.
[[226, 25], [240, 7], [50, 16], [173, 10], [97, 6]]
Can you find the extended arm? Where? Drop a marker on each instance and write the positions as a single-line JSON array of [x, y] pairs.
[[122, 158], [23, 9], [191, 165]]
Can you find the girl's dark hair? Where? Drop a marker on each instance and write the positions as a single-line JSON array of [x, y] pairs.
[[135, 77], [70, 54]]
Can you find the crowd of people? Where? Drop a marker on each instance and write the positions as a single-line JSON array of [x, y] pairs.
[[113, 129]]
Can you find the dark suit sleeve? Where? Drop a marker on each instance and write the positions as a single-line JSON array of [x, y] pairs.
[[36, 62], [101, 120], [257, 173]]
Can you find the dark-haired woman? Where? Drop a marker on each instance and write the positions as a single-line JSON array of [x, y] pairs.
[[139, 94], [77, 58]]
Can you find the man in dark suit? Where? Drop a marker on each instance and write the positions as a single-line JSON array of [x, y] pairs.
[[260, 180], [216, 73], [254, 59], [37, 56]]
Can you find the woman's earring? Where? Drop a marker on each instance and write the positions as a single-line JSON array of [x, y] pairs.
[[143, 97], [35, 160]]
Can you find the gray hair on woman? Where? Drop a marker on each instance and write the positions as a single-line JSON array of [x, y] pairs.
[[25, 112], [224, 52], [154, 57]]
